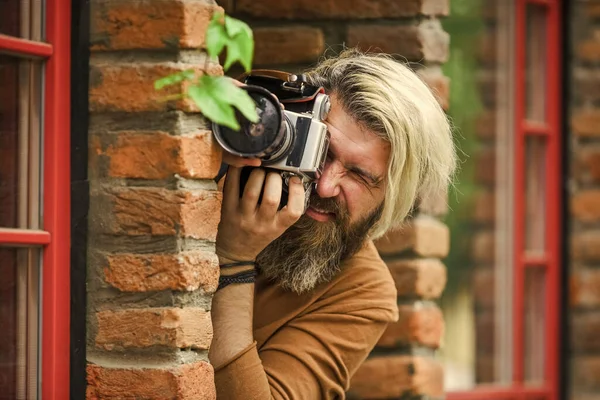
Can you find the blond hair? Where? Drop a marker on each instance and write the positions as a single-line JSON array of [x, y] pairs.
[[389, 99]]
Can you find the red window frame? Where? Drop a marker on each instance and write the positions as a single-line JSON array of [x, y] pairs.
[[55, 238], [549, 262]]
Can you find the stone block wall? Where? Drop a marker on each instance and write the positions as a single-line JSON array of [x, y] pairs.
[[584, 201], [403, 364], [154, 208]]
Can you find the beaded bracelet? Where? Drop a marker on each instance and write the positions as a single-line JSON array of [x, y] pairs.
[[248, 276]]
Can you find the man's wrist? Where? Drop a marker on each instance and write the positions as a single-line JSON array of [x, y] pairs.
[[236, 272], [227, 259], [244, 277]]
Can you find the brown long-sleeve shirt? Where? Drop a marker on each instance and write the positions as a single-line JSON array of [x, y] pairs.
[[309, 346]]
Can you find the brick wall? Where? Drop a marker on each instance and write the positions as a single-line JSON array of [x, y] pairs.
[[292, 36], [154, 209], [584, 318], [483, 222], [403, 364]]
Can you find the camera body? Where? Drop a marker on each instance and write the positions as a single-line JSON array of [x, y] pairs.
[[292, 141], [308, 150]]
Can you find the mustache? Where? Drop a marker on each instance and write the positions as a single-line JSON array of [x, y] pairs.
[[330, 205]]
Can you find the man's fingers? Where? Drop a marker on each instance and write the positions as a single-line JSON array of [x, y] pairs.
[[231, 188], [252, 191], [236, 161], [296, 200], [271, 196]]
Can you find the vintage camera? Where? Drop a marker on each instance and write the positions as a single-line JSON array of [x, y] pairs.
[[293, 141]]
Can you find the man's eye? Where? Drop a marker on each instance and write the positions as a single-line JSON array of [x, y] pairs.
[[361, 178]]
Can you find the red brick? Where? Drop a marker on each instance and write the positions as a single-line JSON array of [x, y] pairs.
[[171, 327], [184, 271], [586, 123], [425, 42], [589, 50], [585, 371], [438, 83], [423, 235], [487, 83], [288, 45], [586, 246], [484, 287], [149, 24], [416, 325], [484, 207], [485, 166], [159, 212], [130, 87], [160, 156], [187, 381], [425, 278], [490, 12], [483, 247], [485, 368], [485, 124], [95, 157], [586, 84], [585, 206], [584, 396], [592, 9], [588, 168], [398, 377], [487, 48], [436, 205], [228, 6], [584, 288], [584, 332], [485, 332], [354, 9]]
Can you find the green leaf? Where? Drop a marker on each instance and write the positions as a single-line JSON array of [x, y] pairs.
[[240, 48], [216, 36], [172, 79], [236, 96], [213, 108], [235, 26]]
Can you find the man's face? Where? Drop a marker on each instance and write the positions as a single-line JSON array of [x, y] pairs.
[[347, 202], [355, 170]]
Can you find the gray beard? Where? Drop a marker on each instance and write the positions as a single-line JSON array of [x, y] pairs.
[[310, 252]]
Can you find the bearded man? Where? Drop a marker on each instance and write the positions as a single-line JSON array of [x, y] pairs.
[[323, 296]]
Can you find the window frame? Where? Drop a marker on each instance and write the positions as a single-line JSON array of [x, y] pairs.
[[54, 239], [550, 262]]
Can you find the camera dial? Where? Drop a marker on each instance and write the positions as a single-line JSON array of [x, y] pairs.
[[268, 139]]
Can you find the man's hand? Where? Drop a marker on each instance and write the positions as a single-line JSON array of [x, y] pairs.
[[247, 227], [236, 161]]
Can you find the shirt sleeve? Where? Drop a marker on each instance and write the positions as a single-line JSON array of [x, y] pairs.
[[314, 355]]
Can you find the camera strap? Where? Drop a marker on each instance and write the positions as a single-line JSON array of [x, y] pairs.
[[290, 89]]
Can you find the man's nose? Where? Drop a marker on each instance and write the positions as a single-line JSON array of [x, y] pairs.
[[328, 185]]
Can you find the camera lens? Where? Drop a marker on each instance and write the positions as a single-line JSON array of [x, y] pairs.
[[268, 138]]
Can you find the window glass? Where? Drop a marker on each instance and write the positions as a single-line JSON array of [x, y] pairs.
[[21, 18], [20, 143], [9, 141], [535, 73], [19, 318], [10, 18], [535, 192], [477, 303]]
